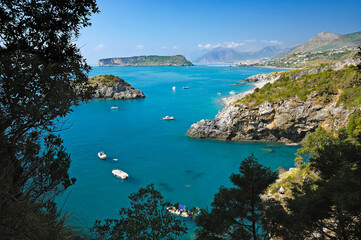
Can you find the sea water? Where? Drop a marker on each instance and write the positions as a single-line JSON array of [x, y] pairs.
[[152, 150]]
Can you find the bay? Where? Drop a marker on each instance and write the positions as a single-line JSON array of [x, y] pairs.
[[151, 150]]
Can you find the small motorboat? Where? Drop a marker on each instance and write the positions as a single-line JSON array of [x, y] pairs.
[[120, 174], [114, 107], [232, 92], [168, 118], [179, 210], [219, 93], [102, 155], [186, 87], [173, 87]]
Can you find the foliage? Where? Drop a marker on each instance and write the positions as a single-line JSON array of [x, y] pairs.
[[354, 126], [326, 84], [42, 75], [146, 218], [330, 205], [108, 80], [237, 212]]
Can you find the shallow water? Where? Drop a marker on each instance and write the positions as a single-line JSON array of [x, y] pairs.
[[152, 150]]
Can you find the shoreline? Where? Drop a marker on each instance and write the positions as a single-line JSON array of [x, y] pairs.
[[230, 99]]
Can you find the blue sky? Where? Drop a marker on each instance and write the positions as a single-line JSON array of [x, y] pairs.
[[192, 27]]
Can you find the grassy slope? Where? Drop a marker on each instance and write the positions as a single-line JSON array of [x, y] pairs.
[[108, 80], [328, 85]]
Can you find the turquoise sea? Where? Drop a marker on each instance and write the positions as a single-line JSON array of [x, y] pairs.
[[151, 150]]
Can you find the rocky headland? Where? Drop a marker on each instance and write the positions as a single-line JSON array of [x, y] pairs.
[[109, 86], [286, 106]]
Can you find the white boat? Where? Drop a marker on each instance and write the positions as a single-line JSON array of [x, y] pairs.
[[102, 155], [232, 92], [173, 87], [179, 211], [168, 118], [219, 93], [186, 87], [114, 107], [120, 174]]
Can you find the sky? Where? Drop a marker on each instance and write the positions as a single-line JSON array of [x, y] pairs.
[[125, 28]]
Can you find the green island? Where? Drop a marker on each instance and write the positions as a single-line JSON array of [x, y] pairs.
[[152, 60]]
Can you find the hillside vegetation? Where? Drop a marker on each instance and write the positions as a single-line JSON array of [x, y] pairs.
[[107, 80], [343, 86]]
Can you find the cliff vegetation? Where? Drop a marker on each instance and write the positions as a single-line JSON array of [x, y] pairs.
[[343, 86], [107, 80]]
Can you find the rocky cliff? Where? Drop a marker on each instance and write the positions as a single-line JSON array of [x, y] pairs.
[[109, 86], [283, 120]]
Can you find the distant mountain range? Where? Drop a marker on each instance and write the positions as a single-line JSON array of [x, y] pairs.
[[229, 55], [323, 42], [324, 48]]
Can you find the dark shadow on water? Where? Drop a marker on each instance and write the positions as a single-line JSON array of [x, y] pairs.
[[165, 187], [194, 175], [267, 150]]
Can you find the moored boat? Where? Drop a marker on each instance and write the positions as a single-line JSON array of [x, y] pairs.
[[120, 174], [168, 118], [114, 107], [186, 87], [102, 155], [179, 210]]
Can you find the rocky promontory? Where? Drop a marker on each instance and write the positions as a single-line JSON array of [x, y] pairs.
[[288, 106], [110, 86]]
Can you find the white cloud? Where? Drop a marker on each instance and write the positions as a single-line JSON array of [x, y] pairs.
[[100, 46], [250, 40], [139, 47], [175, 47], [275, 42], [225, 44], [233, 44], [208, 45]]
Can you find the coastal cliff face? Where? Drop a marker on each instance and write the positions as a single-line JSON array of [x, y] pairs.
[[285, 120], [109, 86]]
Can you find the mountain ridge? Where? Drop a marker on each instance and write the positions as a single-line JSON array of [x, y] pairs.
[[229, 55]]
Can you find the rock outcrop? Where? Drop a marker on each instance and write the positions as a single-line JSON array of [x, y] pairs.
[[287, 121], [117, 88], [284, 121]]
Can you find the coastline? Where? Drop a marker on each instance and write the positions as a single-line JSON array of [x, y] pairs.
[[230, 99]]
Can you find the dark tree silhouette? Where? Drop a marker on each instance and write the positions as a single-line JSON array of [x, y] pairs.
[[237, 212], [146, 218], [42, 74]]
